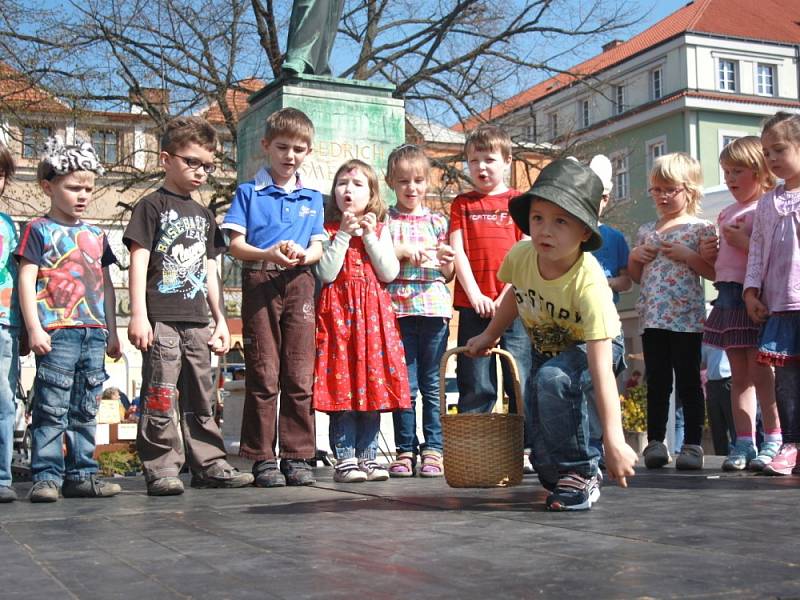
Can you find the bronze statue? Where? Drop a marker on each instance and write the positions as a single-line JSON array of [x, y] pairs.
[[312, 29]]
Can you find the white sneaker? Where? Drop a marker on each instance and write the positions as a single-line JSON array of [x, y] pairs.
[[373, 470], [347, 471]]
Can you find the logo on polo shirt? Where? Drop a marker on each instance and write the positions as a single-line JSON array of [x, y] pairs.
[[306, 211]]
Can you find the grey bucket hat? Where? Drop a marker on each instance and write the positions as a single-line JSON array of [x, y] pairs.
[[571, 186]]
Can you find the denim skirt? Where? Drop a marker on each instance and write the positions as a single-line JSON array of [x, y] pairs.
[[780, 339]]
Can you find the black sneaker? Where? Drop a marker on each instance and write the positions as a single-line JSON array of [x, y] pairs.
[[165, 486], [297, 472], [221, 475], [267, 474], [91, 487], [7, 494], [573, 492], [45, 490]]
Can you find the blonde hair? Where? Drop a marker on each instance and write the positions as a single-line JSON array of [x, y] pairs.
[[747, 153], [291, 123], [784, 124], [488, 138], [681, 169], [411, 155], [375, 205]]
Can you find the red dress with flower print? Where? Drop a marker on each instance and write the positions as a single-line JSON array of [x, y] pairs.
[[360, 359]]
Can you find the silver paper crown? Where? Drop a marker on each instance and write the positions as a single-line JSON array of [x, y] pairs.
[[67, 159]]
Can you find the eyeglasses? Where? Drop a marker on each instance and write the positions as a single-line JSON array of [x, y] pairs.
[[666, 192], [194, 164]]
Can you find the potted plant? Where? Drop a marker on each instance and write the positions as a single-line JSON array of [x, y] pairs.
[[634, 416]]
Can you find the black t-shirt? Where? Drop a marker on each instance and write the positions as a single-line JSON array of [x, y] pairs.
[[181, 235]]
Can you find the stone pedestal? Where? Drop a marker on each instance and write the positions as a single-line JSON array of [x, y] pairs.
[[352, 119]]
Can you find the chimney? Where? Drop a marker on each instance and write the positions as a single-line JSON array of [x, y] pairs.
[[154, 96], [611, 45]]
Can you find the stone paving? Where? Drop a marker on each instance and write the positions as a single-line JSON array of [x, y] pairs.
[[670, 535]]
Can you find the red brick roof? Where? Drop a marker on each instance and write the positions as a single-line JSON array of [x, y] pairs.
[[18, 92], [764, 20], [236, 99]]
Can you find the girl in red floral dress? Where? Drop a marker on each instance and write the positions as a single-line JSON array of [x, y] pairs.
[[360, 369]]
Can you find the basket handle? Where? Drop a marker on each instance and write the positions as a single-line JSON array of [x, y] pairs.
[[504, 354]]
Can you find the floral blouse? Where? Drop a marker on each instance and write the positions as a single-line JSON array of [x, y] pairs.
[[671, 294]]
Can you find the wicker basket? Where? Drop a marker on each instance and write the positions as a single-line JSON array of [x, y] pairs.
[[484, 449]]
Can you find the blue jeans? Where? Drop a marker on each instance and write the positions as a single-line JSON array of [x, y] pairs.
[[9, 375], [69, 382], [560, 391], [477, 377], [424, 340], [355, 433]]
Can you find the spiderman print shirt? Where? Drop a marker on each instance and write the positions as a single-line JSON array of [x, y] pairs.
[[69, 285]]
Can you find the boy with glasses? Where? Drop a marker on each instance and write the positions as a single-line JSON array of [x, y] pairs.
[[174, 244]]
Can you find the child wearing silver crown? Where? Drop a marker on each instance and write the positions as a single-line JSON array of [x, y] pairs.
[[67, 303]]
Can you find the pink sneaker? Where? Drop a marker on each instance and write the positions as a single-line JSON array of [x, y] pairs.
[[784, 461]]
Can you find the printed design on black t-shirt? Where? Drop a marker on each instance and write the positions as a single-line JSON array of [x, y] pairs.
[[549, 335], [182, 242]]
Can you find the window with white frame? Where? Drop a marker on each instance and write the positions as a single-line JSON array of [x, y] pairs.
[[105, 145], [727, 75], [619, 99], [553, 119], [619, 165], [655, 148], [33, 139], [765, 80], [584, 113], [657, 83]]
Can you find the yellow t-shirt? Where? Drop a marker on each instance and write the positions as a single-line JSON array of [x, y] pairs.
[[557, 313]]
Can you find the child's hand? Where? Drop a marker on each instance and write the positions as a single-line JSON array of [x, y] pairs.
[[413, 253], [293, 251], [484, 306], [220, 340], [276, 255], [39, 341], [644, 253], [349, 223], [369, 222], [677, 252], [140, 333], [736, 235], [756, 310], [113, 347], [480, 345], [620, 460], [445, 254], [709, 248]]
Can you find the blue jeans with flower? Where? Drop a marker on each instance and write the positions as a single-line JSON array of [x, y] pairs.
[[424, 341], [68, 385], [477, 377], [9, 375], [354, 433], [561, 392]]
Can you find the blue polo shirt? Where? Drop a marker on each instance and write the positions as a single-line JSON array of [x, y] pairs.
[[266, 213], [613, 254]]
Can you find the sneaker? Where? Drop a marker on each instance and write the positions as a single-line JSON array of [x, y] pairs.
[[7, 494], [373, 470], [656, 455], [347, 471], [297, 472], [740, 457], [690, 458], [45, 490], [267, 474], [221, 475], [784, 462], [527, 463], [91, 487], [595, 483], [573, 492], [769, 450], [165, 486]]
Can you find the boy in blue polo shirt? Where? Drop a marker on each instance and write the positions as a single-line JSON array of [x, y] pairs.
[[276, 230]]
